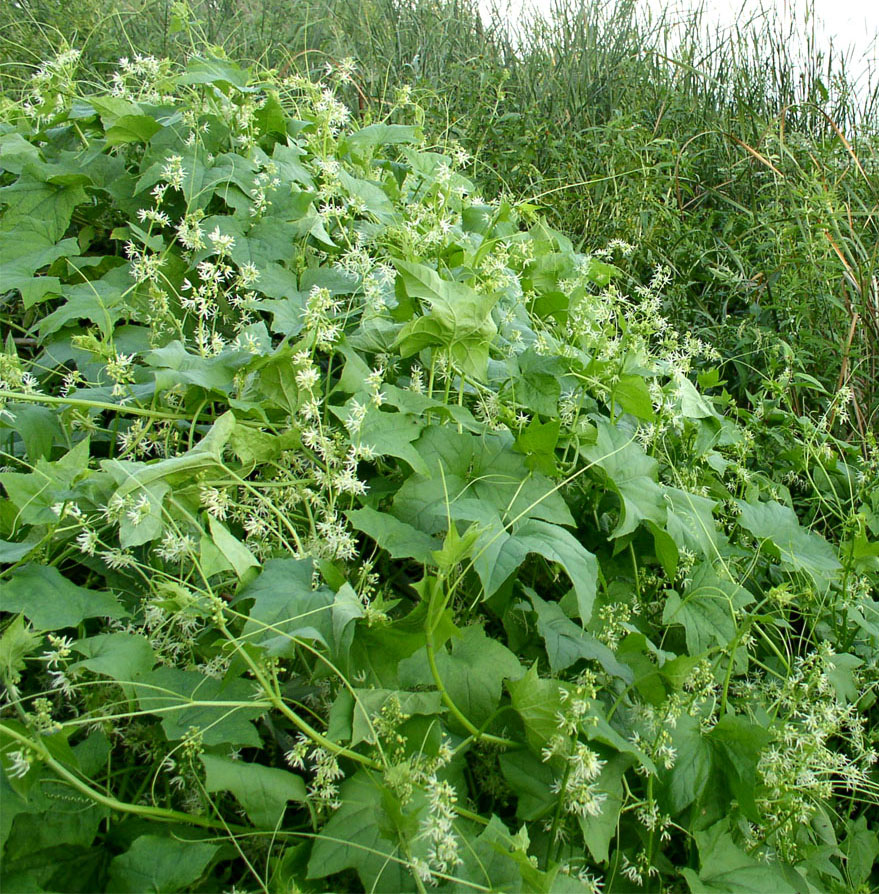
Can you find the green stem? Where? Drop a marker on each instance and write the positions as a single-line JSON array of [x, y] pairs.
[[474, 731], [729, 669], [269, 504], [158, 813], [278, 702], [89, 405], [553, 846], [635, 570]]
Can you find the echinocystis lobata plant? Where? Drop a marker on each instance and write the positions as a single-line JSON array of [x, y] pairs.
[[362, 534]]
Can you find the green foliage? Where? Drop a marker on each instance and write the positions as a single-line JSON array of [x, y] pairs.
[[361, 534]]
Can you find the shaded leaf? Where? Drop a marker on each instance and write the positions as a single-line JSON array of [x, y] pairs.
[[39, 206], [286, 607], [221, 710], [122, 656], [798, 548], [160, 865], [52, 602], [374, 135], [263, 792], [632, 474], [566, 642], [35, 493], [691, 523], [707, 610], [361, 836], [726, 867], [398, 538], [473, 672]]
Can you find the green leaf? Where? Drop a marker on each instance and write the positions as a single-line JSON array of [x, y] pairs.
[[52, 602], [687, 779], [263, 792], [632, 474], [840, 672], [726, 867], [502, 861], [23, 252], [375, 135], [535, 384], [537, 701], [538, 442], [600, 273], [473, 672], [174, 364], [151, 524], [499, 554], [347, 608], [737, 744], [35, 835], [861, 849], [12, 552], [398, 538], [17, 643], [599, 831], [110, 107], [160, 865], [133, 478], [39, 207], [388, 434], [693, 404], [799, 549], [707, 610], [360, 835], [666, 550], [271, 118], [531, 779], [220, 709], [460, 319], [286, 607], [37, 426], [367, 705], [17, 152], [372, 195], [287, 158], [566, 642], [238, 555], [212, 70], [254, 447], [131, 129], [378, 651], [103, 302], [13, 805], [35, 493], [633, 395], [122, 656], [691, 523], [475, 479], [556, 544]]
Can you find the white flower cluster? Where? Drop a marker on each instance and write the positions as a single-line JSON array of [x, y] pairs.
[[51, 87], [139, 79], [325, 770], [438, 826], [820, 748]]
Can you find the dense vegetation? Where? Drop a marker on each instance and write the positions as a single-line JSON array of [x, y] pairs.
[[385, 507]]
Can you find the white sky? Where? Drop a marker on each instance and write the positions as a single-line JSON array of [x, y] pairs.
[[851, 25]]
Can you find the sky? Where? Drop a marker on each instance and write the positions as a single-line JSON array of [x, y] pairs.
[[850, 25]]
